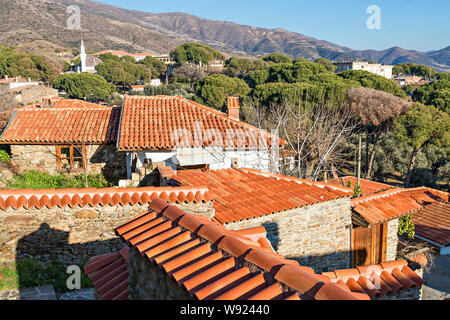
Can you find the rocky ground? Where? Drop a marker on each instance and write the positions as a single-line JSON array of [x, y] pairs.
[[46, 293]]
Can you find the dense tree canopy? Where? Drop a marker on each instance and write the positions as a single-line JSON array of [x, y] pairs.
[[370, 80], [327, 64], [195, 53], [414, 69], [28, 65], [239, 67], [214, 89], [84, 85], [123, 73], [443, 76], [277, 58], [156, 66], [436, 93], [422, 126]]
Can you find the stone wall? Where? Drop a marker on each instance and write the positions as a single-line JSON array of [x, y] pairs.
[[69, 235], [392, 240], [148, 282], [317, 236], [101, 159]]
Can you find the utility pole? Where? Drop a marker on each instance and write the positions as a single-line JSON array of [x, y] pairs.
[[359, 161]]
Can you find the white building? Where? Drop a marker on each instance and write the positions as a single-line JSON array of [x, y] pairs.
[[183, 134], [375, 68]]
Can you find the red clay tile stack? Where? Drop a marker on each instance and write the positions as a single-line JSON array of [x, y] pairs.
[[149, 123], [50, 198], [109, 275], [377, 280], [242, 194], [211, 262]]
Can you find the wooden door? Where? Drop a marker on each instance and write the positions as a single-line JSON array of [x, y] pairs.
[[369, 245]]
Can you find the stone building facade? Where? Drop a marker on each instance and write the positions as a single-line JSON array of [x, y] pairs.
[[317, 236], [101, 159], [69, 235], [392, 240]]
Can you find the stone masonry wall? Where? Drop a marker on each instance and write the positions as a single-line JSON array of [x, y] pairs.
[[317, 236], [148, 282], [69, 235], [101, 159], [392, 240]]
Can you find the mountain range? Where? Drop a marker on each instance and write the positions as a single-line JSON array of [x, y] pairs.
[[109, 27]]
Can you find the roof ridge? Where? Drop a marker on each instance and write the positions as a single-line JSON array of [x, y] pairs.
[[288, 272]]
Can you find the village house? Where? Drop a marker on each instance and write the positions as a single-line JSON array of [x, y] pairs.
[[65, 136], [174, 255], [182, 134], [375, 68]]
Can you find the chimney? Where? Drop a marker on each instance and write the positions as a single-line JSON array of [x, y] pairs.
[[233, 108]]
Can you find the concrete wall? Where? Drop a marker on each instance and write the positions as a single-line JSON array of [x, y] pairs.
[[317, 236], [101, 159], [69, 235]]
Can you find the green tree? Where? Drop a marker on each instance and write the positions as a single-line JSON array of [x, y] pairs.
[[239, 67], [84, 86], [422, 126], [370, 80], [436, 93], [214, 89], [414, 69], [277, 58], [327, 64], [156, 66], [123, 73], [195, 53], [443, 76]]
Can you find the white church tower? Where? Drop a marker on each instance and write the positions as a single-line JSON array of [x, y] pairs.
[[83, 57]]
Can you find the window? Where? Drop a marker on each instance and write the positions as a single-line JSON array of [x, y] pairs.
[[70, 158]]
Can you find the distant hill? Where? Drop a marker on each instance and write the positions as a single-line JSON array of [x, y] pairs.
[[109, 27]]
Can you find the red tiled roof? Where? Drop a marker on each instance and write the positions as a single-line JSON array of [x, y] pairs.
[[50, 198], [433, 222], [66, 121], [367, 187], [150, 123], [242, 194], [210, 262], [109, 275], [377, 280], [395, 203]]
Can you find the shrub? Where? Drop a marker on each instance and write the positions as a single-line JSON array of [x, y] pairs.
[[4, 156], [406, 226]]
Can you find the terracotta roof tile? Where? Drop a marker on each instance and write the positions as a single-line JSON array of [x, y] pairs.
[[28, 198], [367, 187], [242, 194], [433, 222], [109, 275], [64, 121], [377, 280], [211, 262], [150, 123], [395, 203]]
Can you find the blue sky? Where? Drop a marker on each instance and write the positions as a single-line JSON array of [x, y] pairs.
[[411, 24]]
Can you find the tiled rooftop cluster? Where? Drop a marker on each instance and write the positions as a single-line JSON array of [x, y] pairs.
[[395, 203], [50, 198], [62, 121], [211, 262], [242, 194], [149, 123]]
